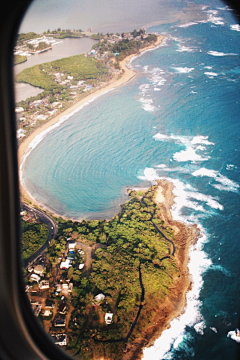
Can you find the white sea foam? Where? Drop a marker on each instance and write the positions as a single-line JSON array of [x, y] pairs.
[[208, 67], [212, 17], [183, 48], [187, 24], [233, 336], [224, 183], [235, 27], [183, 70], [199, 327], [220, 268], [218, 53], [147, 104], [192, 144], [150, 174], [213, 329], [189, 154], [211, 74], [230, 167], [209, 200]]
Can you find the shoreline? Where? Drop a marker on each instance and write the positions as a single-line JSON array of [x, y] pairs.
[[24, 151], [175, 303]]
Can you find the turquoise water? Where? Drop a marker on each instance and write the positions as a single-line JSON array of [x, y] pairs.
[[178, 119]]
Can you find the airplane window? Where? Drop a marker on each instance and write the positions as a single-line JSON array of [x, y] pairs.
[[129, 170]]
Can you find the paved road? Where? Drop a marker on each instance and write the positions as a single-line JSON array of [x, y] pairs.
[[52, 231]]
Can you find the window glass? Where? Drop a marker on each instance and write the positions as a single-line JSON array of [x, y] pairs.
[[128, 132]]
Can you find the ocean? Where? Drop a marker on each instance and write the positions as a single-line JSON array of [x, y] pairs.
[[177, 119]]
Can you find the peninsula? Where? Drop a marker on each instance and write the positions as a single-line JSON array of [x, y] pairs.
[[115, 285]]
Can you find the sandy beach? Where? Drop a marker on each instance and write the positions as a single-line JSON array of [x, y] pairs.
[[127, 75]]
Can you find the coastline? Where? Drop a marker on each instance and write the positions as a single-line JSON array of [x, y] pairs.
[[112, 84], [175, 303]]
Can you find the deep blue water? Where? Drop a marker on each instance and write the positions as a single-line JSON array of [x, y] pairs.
[[179, 119]]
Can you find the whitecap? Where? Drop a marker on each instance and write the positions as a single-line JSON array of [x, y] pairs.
[[230, 167], [187, 24], [225, 183], [199, 327], [150, 174], [218, 53], [233, 335], [211, 74], [189, 154], [183, 48], [235, 27], [208, 199], [183, 70], [199, 139], [213, 329]]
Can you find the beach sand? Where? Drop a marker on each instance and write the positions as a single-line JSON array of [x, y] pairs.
[[127, 75], [173, 306]]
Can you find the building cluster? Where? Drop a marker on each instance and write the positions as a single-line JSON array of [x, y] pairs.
[[51, 298], [29, 47]]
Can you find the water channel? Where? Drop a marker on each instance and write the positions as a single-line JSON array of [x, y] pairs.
[[65, 48]]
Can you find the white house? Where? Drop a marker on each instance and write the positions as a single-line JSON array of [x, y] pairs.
[[71, 245], [66, 264], [99, 297], [35, 277], [108, 318], [44, 284], [81, 266]]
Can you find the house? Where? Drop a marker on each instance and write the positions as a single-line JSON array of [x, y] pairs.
[[108, 318], [47, 313], [81, 266], [44, 284], [20, 133], [98, 298], [35, 277], [60, 339], [59, 322], [39, 269], [71, 244], [19, 109], [66, 264]]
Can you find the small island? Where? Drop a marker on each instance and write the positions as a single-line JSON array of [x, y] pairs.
[[120, 282]]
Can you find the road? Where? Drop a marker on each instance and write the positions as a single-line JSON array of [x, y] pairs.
[[52, 231]]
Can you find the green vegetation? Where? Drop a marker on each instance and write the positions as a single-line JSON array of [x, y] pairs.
[[18, 59], [62, 34], [24, 37], [36, 77], [125, 242], [78, 66], [33, 237], [127, 47]]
